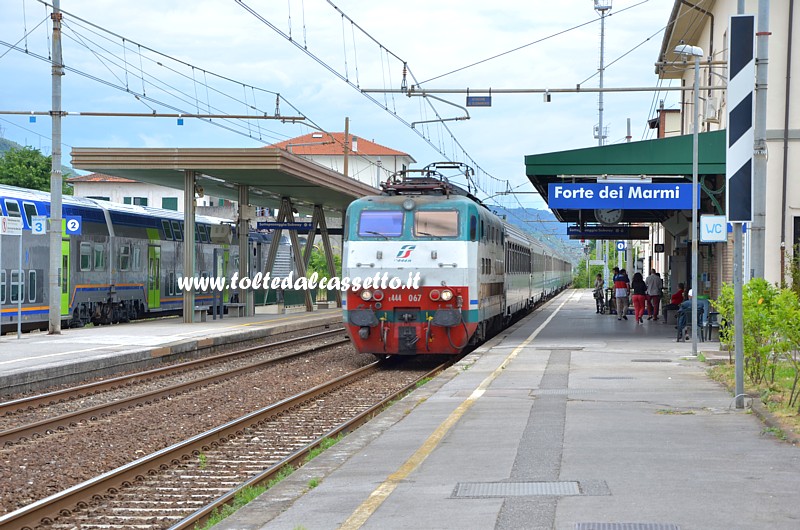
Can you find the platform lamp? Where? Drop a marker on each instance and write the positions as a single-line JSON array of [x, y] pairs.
[[686, 51]]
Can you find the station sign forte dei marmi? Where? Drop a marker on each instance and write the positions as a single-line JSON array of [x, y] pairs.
[[626, 196]]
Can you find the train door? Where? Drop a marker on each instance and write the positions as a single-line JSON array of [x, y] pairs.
[[153, 277], [65, 276]]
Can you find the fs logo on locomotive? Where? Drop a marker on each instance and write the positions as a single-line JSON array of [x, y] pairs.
[[404, 254]]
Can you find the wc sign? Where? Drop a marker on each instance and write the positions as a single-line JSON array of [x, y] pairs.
[[713, 229]]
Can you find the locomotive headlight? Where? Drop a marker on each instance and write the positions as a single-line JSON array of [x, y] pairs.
[[408, 204], [377, 295], [447, 295], [366, 295], [434, 295]]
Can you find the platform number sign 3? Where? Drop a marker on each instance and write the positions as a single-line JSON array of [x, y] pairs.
[[38, 225], [73, 225]]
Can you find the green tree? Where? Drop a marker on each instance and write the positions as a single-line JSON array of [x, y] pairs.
[[318, 264], [759, 325], [28, 168]]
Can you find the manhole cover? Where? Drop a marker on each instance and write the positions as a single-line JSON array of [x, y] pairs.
[[561, 391], [515, 489], [626, 526]]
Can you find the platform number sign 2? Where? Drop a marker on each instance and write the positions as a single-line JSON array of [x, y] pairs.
[[73, 224]]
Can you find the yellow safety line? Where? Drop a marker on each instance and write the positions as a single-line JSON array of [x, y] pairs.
[[382, 492]]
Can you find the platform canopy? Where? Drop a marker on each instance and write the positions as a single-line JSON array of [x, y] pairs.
[[269, 173], [664, 160]]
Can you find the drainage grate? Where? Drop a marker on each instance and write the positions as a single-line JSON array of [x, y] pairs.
[[561, 391], [651, 360], [514, 489], [626, 526]]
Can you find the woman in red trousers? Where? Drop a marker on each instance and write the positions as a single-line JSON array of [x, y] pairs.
[[639, 289]]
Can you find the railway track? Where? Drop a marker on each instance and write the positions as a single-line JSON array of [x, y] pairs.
[[15, 425], [180, 486]]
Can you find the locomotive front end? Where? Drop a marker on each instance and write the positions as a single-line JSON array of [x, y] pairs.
[[409, 258]]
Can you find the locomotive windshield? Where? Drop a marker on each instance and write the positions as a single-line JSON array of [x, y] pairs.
[[379, 223], [438, 223]]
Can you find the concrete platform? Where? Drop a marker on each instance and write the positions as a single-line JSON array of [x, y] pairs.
[[37, 359], [569, 420]]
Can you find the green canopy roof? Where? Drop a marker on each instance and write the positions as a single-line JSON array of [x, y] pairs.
[[663, 157]]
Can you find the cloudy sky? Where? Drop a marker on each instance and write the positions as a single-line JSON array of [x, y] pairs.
[[233, 57]]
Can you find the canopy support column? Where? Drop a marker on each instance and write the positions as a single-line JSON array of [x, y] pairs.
[[188, 243], [246, 296], [286, 214]]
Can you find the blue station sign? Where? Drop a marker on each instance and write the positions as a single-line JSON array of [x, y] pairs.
[[608, 232], [643, 196], [479, 101], [274, 225]]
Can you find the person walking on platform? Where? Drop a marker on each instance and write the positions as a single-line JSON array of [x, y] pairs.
[[639, 288], [621, 289], [654, 288], [598, 293]]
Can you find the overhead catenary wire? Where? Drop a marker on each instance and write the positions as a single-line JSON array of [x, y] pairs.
[[111, 60], [537, 41]]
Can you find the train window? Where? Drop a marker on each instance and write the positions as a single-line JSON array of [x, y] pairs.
[[438, 223], [99, 258], [176, 231], [380, 223], [167, 230], [31, 286], [125, 258], [17, 286], [65, 280], [2, 287], [473, 228], [86, 256], [171, 283], [483, 230], [12, 208], [137, 258], [201, 229], [30, 211]]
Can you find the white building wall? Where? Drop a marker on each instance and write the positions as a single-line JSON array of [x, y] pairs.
[[776, 217]]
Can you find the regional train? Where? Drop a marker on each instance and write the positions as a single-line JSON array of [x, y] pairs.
[[123, 265], [476, 271]]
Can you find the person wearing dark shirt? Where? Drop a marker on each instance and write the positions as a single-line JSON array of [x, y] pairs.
[[639, 288], [621, 291]]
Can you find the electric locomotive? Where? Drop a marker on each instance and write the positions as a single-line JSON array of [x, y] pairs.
[[475, 271]]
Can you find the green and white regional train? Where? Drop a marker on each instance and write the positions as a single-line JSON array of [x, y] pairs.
[[476, 270]]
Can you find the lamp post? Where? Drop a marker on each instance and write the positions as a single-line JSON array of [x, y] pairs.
[[685, 50]]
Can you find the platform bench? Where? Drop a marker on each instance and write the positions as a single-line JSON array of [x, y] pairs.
[[235, 309], [200, 313]]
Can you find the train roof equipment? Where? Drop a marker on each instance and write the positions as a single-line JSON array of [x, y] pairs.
[[429, 181]]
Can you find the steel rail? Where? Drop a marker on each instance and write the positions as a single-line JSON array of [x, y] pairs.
[[23, 432], [45, 511], [66, 394], [296, 459]]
